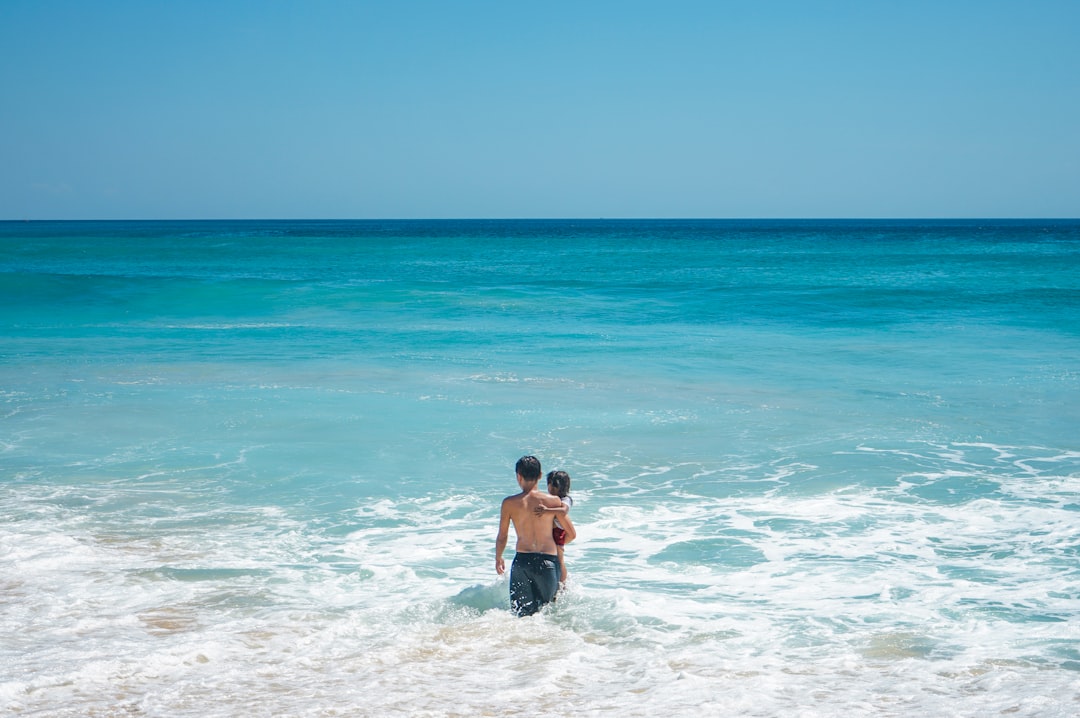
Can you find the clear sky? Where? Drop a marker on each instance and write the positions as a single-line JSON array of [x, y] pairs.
[[117, 109]]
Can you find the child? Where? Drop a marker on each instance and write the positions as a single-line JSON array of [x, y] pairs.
[[558, 484]]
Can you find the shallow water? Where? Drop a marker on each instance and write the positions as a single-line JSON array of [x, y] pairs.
[[821, 467]]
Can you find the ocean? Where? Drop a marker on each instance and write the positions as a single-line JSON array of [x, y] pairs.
[[820, 468]]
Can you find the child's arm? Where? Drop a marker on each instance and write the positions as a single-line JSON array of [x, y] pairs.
[[560, 509]]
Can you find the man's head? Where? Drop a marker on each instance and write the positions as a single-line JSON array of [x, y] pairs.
[[528, 468]]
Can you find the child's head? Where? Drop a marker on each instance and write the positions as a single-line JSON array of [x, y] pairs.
[[558, 483]]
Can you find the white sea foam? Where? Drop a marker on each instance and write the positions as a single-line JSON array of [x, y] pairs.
[[853, 595]]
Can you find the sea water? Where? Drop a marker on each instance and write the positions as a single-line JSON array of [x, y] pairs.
[[819, 468]]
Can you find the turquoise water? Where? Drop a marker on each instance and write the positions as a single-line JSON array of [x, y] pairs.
[[819, 467]]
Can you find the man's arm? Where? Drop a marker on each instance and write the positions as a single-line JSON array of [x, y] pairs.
[[501, 539], [568, 527]]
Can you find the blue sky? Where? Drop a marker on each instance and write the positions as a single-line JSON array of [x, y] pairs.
[[414, 109]]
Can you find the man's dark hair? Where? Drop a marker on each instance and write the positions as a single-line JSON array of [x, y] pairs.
[[528, 467]]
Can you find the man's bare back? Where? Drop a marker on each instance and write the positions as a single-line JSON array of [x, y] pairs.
[[534, 533]]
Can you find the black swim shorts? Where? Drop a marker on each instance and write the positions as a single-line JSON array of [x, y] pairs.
[[534, 579]]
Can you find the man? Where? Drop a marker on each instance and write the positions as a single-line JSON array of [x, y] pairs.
[[534, 574]]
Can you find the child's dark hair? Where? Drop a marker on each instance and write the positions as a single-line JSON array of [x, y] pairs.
[[559, 483]]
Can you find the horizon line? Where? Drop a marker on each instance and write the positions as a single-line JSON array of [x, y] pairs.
[[551, 219]]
